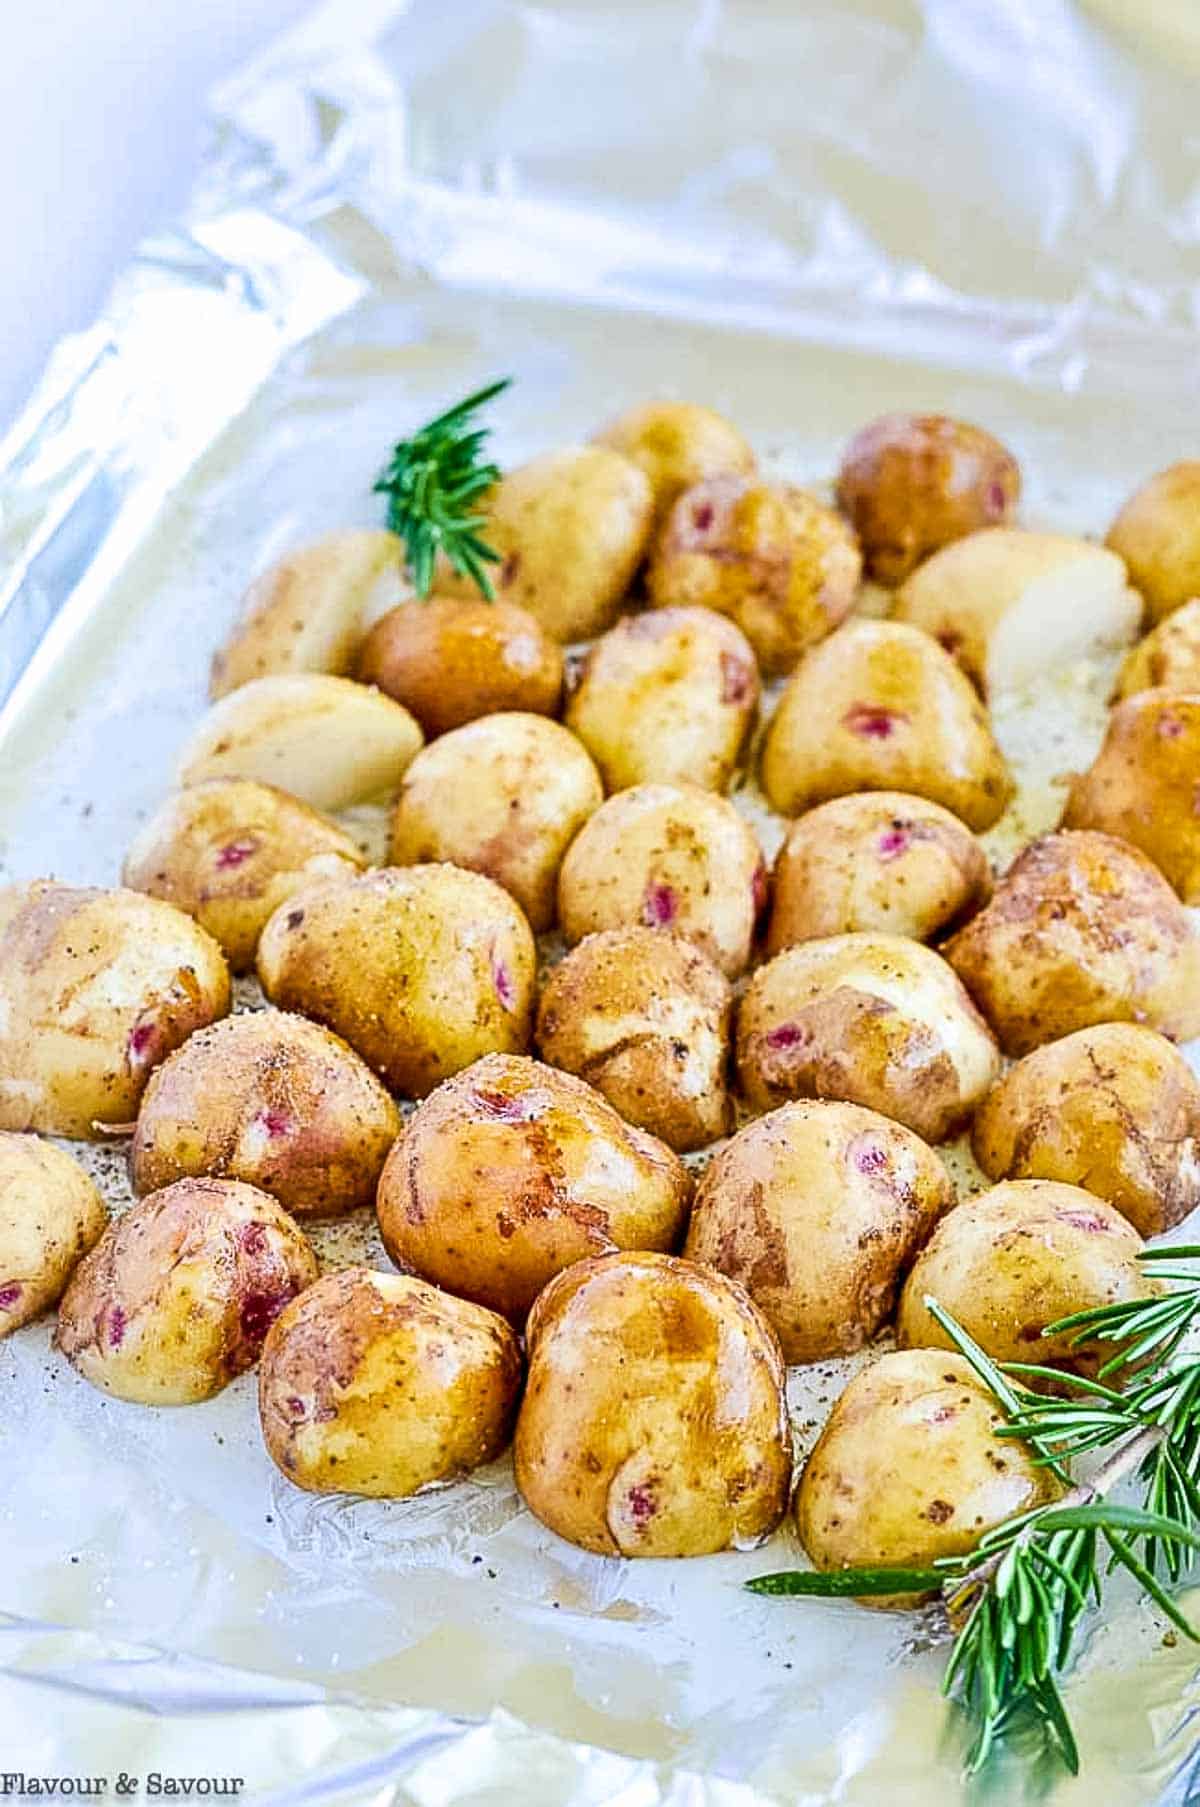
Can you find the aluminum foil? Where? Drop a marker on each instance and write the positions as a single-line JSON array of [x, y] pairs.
[[802, 214]]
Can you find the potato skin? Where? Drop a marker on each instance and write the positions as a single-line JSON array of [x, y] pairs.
[[1082, 929], [505, 796], [51, 1214], [421, 969], [817, 1209], [450, 659], [1157, 533], [228, 852], [96, 987], [1168, 658], [677, 444], [875, 1020], [378, 1384], [654, 1420], [644, 1016], [176, 1297], [875, 860], [1141, 786], [272, 1100], [512, 1170]]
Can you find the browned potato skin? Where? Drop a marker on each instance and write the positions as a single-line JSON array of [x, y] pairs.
[[816, 1209], [1141, 785], [654, 1420], [378, 1384], [513, 1170], [677, 444], [1082, 929], [175, 1299], [275, 1101], [229, 851], [1115, 1109], [779, 563], [1169, 656], [644, 1016], [421, 969], [451, 659], [51, 1214], [911, 483], [881, 860], [1157, 533]]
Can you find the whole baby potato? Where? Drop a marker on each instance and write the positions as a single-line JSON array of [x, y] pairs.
[[669, 695], [817, 1209], [377, 1384], [1157, 533], [644, 1016], [512, 1170], [421, 970], [176, 1297], [96, 987], [273, 1100], [1169, 656], [677, 444], [449, 659], [51, 1214], [228, 852], [654, 1421], [1142, 784], [877, 1020], [911, 483], [505, 796]]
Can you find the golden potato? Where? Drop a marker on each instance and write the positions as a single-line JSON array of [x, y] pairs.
[[1157, 533], [670, 856], [1142, 784], [644, 1016], [677, 444], [817, 1209], [512, 1170], [505, 796], [50, 1215], [421, 970], [228, 852], [176, 1297], [1082, 929], [881, 706], [654, 1420], [1169, 656], [96, 987], [912, 483], [377, 1384], [450, 659], [876, 1020]]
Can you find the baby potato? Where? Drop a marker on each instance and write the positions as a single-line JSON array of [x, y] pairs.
[[670, 695], [911, 483], [512, 1170], [779, 563], [654, 1421], [1142, 784], [670, 856], [1157, 533], [228, 852], [875, 1020], [377, 1384], [50, 1215], [677, 444], [176, 1297], [817, 1209], [1082, 929], [421, 970], [881, 706], [876, 860], [273, 1100], [450, 659], [1169, 656], [644, 1016], [96, 987], [328, 741], [505, 796]]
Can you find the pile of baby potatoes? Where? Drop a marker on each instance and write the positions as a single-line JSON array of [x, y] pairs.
[[562, 1276]]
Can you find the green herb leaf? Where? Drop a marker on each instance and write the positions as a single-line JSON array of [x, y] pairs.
[[846, 1583]]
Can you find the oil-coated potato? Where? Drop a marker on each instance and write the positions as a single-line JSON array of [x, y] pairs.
[[378, 1384], [1157, 533], [421, 970], [1169, 656], [511, 1171], [911, 483], [450, 659], [876, 1020], [228, 852], [654, 1421], [273, 1100], [644, 1016], [176, 1297], [50, 1215], [677, 444], [817, 1209], [96, 987], [505, 796], [1142, 784], [881, 706], [670, 856], [1082, 929]]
